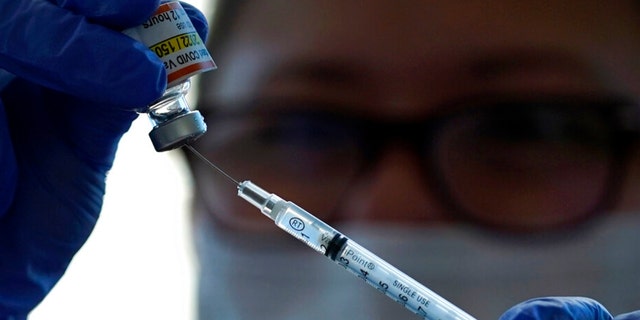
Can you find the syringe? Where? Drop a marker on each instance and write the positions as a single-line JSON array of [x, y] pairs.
[[348, 254]]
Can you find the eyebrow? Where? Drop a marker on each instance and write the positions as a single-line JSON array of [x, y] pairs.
[[322, 72], [348, 75], [497, 64]]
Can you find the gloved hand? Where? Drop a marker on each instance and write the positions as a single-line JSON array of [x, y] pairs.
[[563, 308], [70, 87]]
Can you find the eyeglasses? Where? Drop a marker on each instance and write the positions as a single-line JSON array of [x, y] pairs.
[[515, 164]]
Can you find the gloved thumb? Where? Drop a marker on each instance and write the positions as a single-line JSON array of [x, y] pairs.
[[198, 19], [635, 315], [565, 308]]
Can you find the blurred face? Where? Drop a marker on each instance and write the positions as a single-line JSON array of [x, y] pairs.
[[501, 113]]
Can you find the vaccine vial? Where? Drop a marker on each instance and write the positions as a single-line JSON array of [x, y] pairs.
[[171, 36]]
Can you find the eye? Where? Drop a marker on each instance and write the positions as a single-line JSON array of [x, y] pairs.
[[547, 163], [543, 124]]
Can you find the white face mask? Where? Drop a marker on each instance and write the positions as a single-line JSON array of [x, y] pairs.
[[276, 277]]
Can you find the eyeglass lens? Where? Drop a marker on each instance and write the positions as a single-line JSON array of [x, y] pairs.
[[512, 165]]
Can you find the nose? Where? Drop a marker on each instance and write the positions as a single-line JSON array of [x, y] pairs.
[[393, 190]]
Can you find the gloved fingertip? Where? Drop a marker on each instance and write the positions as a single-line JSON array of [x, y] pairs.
[[157, 80], [576, 308], [134, 80], [118, 14], [198, 19], [635, 315]]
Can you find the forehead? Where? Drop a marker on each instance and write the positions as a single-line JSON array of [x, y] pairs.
[[423, 24], [435, 43]]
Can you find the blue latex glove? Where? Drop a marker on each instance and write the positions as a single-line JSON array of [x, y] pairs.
[[69, 88], [563, 308]]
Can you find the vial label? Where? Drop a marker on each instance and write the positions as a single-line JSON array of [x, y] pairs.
[[170, 34]]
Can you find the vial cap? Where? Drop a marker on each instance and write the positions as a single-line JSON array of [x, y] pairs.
[[177, 132]]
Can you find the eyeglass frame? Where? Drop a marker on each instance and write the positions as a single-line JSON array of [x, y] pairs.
[[375, 136]]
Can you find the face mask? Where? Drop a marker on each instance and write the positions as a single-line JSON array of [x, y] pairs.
[[245, 276]]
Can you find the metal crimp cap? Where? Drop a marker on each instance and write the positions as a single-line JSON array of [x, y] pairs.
[[179, 131]]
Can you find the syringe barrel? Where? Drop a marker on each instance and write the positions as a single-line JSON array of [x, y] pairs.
[[304, 226], [397, 285], [326, 240], [364, 264]]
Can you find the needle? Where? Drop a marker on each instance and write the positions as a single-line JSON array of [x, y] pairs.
[[203, 158]]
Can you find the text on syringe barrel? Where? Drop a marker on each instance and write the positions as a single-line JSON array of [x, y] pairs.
[[364, 264], [397, 285]]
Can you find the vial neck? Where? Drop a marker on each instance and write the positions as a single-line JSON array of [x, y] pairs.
[[172, 104]]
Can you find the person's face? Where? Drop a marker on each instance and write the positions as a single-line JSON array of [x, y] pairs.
[[385, 68]]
